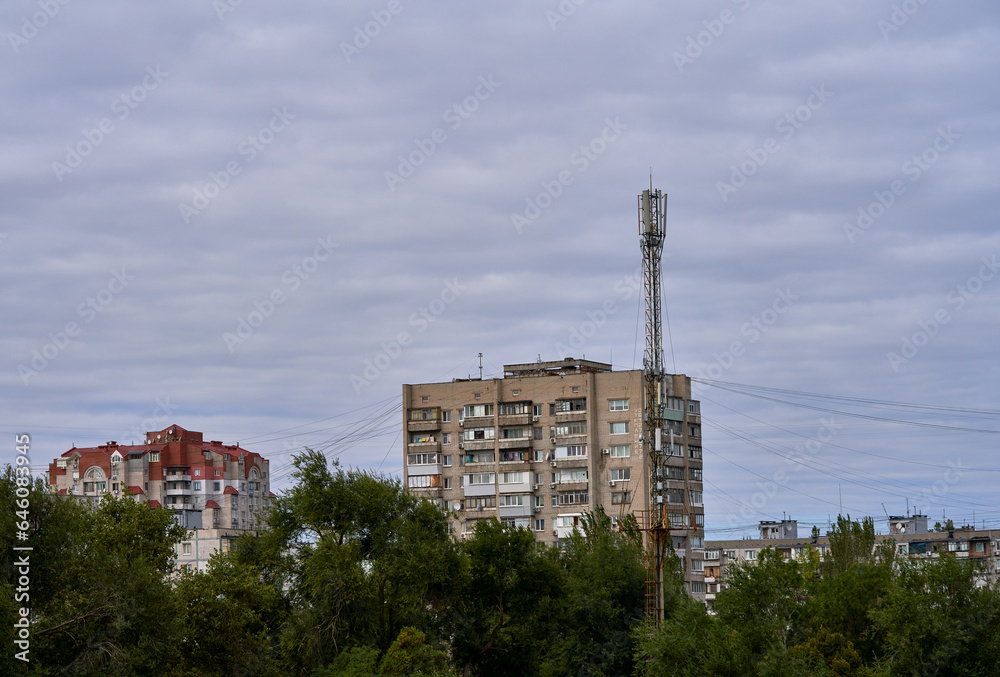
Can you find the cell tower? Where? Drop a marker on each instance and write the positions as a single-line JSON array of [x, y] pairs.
[[652, 230]]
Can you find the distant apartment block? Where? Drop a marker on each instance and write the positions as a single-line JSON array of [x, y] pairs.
[[216, 490], [548, 442]]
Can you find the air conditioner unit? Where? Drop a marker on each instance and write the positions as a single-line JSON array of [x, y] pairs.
[[537, 487], [611, 483], [534, 419], [606, 452], [555, 532], [461, 446], [553, 464], [552, 485], [538, 508], [461, 424]]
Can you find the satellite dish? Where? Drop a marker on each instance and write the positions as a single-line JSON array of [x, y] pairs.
[[457, 505]]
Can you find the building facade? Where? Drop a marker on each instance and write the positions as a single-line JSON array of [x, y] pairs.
[[215, 490], [548, 442]]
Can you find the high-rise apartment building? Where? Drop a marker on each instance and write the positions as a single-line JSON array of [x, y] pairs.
[[550, 441], [216, 490]]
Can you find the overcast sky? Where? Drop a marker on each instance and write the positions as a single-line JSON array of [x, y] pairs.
[[225, 214]]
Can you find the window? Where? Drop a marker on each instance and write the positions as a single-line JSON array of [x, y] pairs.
[[197, 472], [446, 416], [511, 478], [480, 457], [696, 496], [619, 428], [697, 587], [154, 456], [578, 404], [419, 481], [694, 407], [675, 473], [697, 565], [574, 428], [538, 455], [447, 460], [750, 554], [476, 410], [694, 452], [446, 483], [699, 520], [537, 433], [477, 396], [674, 495], [422, 438], [445, 438], [573, 498], [513, 456], [675, 404], [552, 410], [481, 502], [539, 525], [539, 501], [695, 474], [673, 449], [576, 450], [618, 405], [472, 434], [422, 459], [197, 485], [217, 473], [513, 433], [620, 451], [515, 408], [516, 393], [620, 497], [694, 430], [980, 547], [621, 474], [730, 554], [711, 554], [536, 410], [216, 486], [423, 398], [511, 500], [481, 478], [963, 546], [573, 475], [187, 548]]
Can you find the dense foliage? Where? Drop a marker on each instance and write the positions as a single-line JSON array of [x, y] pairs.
[[356, 577]]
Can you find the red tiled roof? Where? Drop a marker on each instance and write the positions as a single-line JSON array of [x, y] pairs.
[[272, 494], [134, 490], [62, 491], [212, 504], [230, 490], [154, 504]]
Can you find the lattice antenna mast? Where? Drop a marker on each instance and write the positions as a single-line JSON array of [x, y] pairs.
[[652, 230]]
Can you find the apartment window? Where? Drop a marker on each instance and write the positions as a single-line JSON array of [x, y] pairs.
[[695, 474], [618, 405], [197, 472], [674, 450], [697, 586], [619, 428], [536, 410], [217, 473], [537, 433], [539, 501], [573, 475], [574, 428], [537, 455], [552, 410], [445, 438], [187, 548], [711, 554], [145, 486], [675, 404], [481, 502], [419, 481], [620, 451], [694, 407], [516, 393], [421, 438], [620, 497], [154, 456], [197, 486], [472, 434], [514, 408], [573, 498], [980, 547], [513, 456], [512, 500], [902, 549], [621, 474], [750, 554], [674, 495], [577, 404], [697, 565], [730, 554], [539, 525], [963, 546], [675, 473], [216, 486], [696, 496], [513, 433], [480, 457], [576, 450], [699, 520], [477, 396], [423, 398], [421, 459], [694, 452], [511, 478], [446, 483], [446, 416], [447, 460], [694, 430], [477, 410], [114, 473], [481, 478], [555, 501]]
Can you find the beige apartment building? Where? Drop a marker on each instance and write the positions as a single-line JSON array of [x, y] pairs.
[[550, 441]]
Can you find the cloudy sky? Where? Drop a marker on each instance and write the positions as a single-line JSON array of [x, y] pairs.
[[230, 215]]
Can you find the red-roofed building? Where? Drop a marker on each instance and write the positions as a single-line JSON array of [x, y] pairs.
[[208, 485]]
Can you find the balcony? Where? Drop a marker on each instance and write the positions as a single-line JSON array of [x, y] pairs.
[[424, 447], [421, 426], [177, 492], [176, 477], [515, 443], [515, 419], [568, 416], [476, 445], [476, 422]]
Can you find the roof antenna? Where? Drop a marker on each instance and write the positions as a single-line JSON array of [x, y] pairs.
[[480, 366]]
